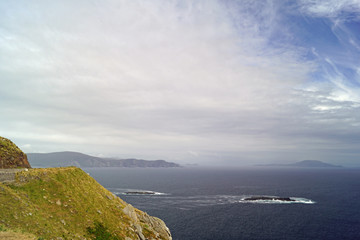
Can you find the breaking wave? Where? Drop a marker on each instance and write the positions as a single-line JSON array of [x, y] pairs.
[[140, 192]]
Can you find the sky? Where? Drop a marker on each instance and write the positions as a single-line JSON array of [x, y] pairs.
[[218, 82]]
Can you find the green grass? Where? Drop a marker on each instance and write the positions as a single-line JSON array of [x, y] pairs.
[[2, 228], [100, 232], [63, 202]]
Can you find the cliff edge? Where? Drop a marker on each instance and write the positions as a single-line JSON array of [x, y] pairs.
[[65, 203], [11, 156]]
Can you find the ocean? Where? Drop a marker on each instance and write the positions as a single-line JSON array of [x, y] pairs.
[[208, 203]]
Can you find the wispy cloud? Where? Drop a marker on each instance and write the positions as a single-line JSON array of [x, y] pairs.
[[337, 61], [331, 8]]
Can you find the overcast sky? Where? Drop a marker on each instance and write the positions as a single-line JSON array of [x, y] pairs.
[[221, 82]]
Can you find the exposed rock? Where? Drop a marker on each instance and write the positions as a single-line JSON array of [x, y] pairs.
[[139, 231], [154, 223], [130, 211], [140, 193], [285, 199], [11, 156], [58, 202]]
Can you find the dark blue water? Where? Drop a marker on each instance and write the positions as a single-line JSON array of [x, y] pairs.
[[207, 203]]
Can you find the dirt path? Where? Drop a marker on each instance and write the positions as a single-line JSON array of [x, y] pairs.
[[8, 175], [15, 236]]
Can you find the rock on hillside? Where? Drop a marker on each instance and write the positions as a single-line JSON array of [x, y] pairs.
[[11, 156]]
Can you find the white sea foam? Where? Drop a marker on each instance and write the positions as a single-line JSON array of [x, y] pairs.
[[122, 191], [201, 201], [303, 200], [190, 202]]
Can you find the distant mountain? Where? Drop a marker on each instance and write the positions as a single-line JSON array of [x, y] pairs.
[[62, 159], [313, 163], [304, 163]]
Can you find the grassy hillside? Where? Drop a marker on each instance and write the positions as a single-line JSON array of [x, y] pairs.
[[66, 203]]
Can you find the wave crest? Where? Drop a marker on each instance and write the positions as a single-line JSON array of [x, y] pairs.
[[140, 192]]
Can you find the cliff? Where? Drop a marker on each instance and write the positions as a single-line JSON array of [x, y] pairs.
[[66, 203], [11, 156]]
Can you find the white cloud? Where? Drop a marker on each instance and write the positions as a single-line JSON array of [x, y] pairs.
[[155, 79], [330, 8]]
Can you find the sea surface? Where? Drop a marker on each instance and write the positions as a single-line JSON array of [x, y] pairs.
[[208, 203]]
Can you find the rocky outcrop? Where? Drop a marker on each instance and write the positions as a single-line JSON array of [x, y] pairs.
[[11, 156], [143, 222], [140, 193], [265, 198]]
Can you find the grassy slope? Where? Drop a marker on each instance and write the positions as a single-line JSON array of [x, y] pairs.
[[62, 202]]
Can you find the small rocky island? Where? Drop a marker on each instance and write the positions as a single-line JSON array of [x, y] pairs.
[[266, 198], [140, 193]]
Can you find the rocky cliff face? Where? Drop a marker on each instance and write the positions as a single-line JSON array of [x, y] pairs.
[[138, 217], [11, 156]]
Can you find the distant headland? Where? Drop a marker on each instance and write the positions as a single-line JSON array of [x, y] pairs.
[[63, 159], [305, 164]]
